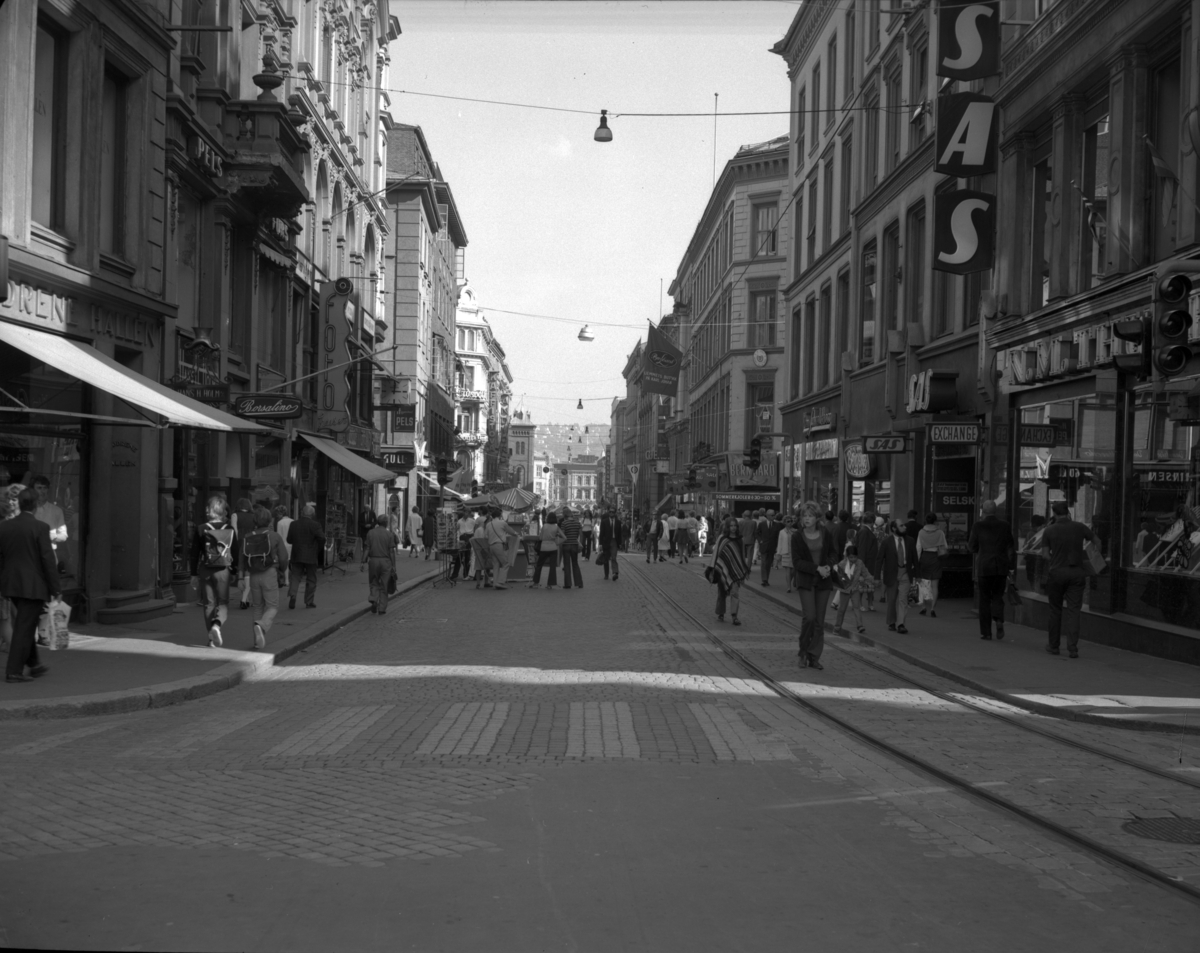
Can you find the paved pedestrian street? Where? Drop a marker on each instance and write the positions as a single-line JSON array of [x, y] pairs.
[[559, 770]]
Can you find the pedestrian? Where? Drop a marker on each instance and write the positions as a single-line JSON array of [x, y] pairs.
[[29, 578], [212, 558], [991, 541], [282, 522], [497, 532], [415, 531], [306, 539], [746, 528], [681, 538], [482, 553], [702, 536], [931, 547], [768, 544], [813, 559], [894, 567], [10, 509], [672, 533], [855, 582], [366, 523], [464, 529], [1062, 548], [586, 525], [572, 531], [727, 569], [51, 514], [783, 551], [842, 531], [911, 526], [429, 532], [549, 539], [866, 540], [262, 561], [610, 535], [381, 544], [693, 530]]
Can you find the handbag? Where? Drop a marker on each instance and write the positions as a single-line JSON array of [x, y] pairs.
[[1012, 595], [710, 574], [601, 558], [391, 583], [1093, 562]]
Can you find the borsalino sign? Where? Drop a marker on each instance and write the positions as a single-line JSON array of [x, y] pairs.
[[273, 406]]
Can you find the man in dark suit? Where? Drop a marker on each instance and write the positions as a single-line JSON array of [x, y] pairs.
[[912, 528], [992, 542], [306, 540], [894, 567], [768, 544], [29, 577], [610, 538], [867, 543]]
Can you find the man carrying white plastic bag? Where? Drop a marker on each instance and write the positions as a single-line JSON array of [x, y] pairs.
[[29, 577]]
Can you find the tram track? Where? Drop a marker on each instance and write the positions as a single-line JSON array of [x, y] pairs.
[[975, 790]]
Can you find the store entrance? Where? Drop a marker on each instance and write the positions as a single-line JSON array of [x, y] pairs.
[[953, 492]]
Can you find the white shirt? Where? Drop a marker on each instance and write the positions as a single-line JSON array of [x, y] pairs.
[[52, 515], [281, 527], [672, 523]]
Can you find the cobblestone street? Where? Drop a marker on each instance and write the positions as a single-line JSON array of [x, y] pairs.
[[601, 775]]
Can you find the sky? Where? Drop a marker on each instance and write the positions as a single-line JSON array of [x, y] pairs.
[[561, 225]]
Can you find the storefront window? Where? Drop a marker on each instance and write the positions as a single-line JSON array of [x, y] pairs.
[[1163, 553]]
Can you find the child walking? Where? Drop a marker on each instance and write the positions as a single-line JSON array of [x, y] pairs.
[[858, 583]]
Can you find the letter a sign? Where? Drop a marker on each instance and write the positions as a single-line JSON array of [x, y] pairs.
[[967, 127], [969, 40], [965, 223]]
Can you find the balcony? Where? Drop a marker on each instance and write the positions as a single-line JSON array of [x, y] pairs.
[[470, 438], [472, 394], [265, 157]]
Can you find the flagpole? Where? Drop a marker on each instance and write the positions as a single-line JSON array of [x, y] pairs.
[[1087, 203]]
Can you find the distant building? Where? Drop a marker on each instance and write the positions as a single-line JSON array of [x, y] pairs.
[[482, 393], [520, 450]]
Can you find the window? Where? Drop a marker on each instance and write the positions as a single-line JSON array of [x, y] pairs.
[[801, 125], [760, 408], [765, 238], [810, 343], [762, 319], [112, 164], [841, 330], [847, 183], [1042, 196], [918, 129], [1163, 181], [49, 116], [914, 269], [1094, 259], [816, 106], [797, 245], [866, 343], [824, 337], [811, 234], [849, 52], [872, 27], [973, 286], [794, 343], [943, 301], [831, 72], [871, 143], [827, 209], [891, 144], [890, 279]]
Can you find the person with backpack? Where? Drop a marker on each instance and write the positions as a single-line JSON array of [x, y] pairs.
[[212, 557], [263, 562]]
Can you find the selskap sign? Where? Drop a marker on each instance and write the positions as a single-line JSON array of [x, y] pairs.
[[274, 406]]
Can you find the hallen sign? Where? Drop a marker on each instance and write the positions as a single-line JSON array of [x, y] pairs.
[[273, 406]]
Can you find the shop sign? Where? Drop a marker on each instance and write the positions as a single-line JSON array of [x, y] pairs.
[[765, 475], [274, 406], [886, 443], [858, 464], [932, 392], [335, 420], [406, 418], [49, 311], [1061, 433], [398, 459], [1162, 478], [954, 433], [205, 393], [826, 449], [968, 125], [964, 240], [969, 40], [818, 418]]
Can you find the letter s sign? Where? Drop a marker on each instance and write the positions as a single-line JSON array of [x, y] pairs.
[[964, 236], [969, 40]]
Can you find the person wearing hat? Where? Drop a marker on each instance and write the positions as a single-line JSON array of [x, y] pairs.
[[1062, 547]]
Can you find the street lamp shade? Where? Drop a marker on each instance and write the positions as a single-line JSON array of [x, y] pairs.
[[585, 334], [603, 133], [579, 406]]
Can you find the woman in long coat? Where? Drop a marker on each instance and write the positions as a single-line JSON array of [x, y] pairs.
[[727, 570]]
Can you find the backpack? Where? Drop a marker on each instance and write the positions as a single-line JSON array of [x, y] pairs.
[[258, 551], [218, 541]]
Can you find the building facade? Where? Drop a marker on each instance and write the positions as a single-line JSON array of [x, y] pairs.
[[483, 392], [521, 451]]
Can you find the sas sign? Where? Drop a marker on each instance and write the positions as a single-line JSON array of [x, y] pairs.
[[965, 226], [891, 443], [969, 40], [967, 128], [932, 392]]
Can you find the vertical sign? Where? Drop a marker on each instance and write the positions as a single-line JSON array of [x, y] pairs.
[[969, 40], [963, 239]]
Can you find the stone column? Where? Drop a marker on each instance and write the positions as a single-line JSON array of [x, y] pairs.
[[1127, 96], [1066, 204]]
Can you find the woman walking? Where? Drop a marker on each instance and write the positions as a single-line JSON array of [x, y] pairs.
[[263, 559], [727, 570], [482, 553], [212, 555], [857, 582], [813, 559], [931, 547], [585, 533], [783, 553], [548, 541]]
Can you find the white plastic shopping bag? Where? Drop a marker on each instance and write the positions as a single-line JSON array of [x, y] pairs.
[[53, 629]]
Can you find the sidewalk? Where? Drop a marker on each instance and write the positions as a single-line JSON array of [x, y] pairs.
[[1103, 686], [115, 668]]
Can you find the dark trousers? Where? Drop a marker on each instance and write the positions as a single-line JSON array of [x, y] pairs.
[[462, 561], [1064, 589], [991, 602], [309, 571], [586, 539], [22, 650], [571, 573], [651, 548], [547, 558], [727, 596], [379, 571], [610, 558], [214, 596], [767, 559], [814, 603]]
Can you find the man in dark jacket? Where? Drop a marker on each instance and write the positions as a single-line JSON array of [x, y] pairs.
[[610, 538], [842, 532], [1063, 548], [992, 542], [867, 542], [381, 545], [894, 567], [29, 577], [912, 528], [768, 544], [307, 540]]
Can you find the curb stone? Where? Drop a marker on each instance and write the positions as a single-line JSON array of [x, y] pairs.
[[199, 686]]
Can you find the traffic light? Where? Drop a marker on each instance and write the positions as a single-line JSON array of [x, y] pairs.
[[1169, 351], [691, 480], [474, 488], [753, 457], [1135, 331], [443, 476]]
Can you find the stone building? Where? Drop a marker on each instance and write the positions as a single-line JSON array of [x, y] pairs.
[[483, 391]]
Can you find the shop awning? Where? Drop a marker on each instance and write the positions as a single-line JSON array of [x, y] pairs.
[[432, 481], [350, 460], [92, 367]]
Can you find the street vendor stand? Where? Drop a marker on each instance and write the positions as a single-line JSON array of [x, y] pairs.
[[513, 501]]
